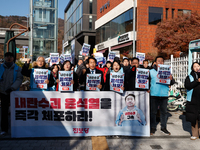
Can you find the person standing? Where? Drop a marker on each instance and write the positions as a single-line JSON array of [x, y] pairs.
[[91, 70], [10, 80], [158, 98], [130, 75], [192, 84], [39, 64]]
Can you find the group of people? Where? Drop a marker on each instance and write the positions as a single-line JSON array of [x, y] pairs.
[[11, 77]]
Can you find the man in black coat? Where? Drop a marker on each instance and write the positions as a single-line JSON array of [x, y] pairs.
[[91, 70], [130, 76]]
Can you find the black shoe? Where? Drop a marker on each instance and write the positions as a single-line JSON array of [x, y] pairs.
[[165, 131], [152, 131]]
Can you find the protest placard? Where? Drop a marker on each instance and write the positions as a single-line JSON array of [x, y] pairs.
[[116, 82], [92, 81], [100, 61], [65, 78], [111, 56], [40, 75], [164, 71], [142, 78], [141, 57], [68, 57], [85, 49], [54, 58], [130, 115], [62, 58]]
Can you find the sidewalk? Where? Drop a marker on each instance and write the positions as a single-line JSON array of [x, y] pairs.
[[179, 139], [176, 124]]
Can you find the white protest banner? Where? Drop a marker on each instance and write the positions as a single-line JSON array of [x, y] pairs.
[[65, 78], [85, 49], [116, 82], [92, 81], [164, 71], [141, 57], [142, 78], [68, 57], [40, 75], [56, 114], [54, 58], [111, 56]]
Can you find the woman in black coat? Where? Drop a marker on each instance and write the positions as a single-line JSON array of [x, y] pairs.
[[192, 84], [67, 67]]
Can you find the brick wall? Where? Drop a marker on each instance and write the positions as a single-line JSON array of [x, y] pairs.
[[146, 32]]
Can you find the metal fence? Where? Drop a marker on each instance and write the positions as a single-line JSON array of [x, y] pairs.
[[180, 69]]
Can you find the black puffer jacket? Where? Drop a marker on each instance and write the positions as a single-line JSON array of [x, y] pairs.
[[193, 107]]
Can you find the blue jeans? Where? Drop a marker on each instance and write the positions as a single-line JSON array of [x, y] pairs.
[[162, 103]]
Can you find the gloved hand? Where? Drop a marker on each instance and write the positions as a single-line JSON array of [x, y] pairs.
[[9, 90]]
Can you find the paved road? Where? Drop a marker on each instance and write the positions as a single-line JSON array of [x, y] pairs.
[[179, 139], [121, 143]]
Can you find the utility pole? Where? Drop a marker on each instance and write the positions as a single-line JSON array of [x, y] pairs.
[[134, 16]]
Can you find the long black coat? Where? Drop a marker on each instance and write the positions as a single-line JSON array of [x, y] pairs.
[[193, 107]]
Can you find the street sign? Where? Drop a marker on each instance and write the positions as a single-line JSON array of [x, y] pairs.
[[25, 46]]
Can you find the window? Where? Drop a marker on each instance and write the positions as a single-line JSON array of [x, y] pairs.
[[116, 27], [173, 13], [90, 22], [155, 15], [44, 14], [90, 6], [40, 13], [184, 12], [166, 13]]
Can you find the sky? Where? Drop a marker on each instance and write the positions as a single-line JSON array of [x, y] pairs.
[[21, 7]]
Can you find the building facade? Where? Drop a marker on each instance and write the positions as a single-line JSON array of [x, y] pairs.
[[79, 26], [44, 27], [114, 25]]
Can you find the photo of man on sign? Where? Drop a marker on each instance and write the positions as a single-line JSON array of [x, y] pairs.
[[130, 115]]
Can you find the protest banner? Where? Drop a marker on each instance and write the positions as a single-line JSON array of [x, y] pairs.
[[40, 75], [142, 78], [54, 58], [65, 78], [141, 57], [111, 56], [85, 49], [55, 114], [164, 71], [116, 82], [92, 81]]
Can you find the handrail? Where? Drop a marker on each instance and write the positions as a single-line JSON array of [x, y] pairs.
[[26, 29]]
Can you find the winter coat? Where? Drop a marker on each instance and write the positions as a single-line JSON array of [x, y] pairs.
[[130, 78], [29, 73], [193, 107], [7, 80]]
